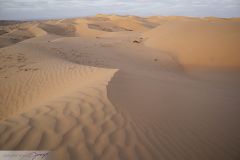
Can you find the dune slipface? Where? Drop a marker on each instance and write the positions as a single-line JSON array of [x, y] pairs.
[[199, 43], [121, 87]]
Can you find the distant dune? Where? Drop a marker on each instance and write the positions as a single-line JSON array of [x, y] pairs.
[[114, 87]]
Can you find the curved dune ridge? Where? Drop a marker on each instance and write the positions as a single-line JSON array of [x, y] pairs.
[[115, 87], [50, 103], [59, 77]]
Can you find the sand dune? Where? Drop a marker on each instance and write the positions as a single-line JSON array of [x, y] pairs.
[[58, 29], [116, 87], [133, 23], [14, 37], [19, 32], [43, 74], [199, 42], [65, 109]]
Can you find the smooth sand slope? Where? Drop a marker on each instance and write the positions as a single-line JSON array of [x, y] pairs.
[[116, 87], [199, 43]]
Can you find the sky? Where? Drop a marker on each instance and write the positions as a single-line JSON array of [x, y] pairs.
[[47, 9]]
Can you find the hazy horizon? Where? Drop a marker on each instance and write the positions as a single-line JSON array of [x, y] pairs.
[[54, 9]]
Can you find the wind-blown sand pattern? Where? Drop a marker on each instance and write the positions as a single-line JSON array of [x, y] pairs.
[[121, 87]]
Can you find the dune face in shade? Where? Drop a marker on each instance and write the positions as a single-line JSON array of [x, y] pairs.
[[121, 87]]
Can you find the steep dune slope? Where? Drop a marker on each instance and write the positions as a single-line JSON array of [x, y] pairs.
[[199, 42]]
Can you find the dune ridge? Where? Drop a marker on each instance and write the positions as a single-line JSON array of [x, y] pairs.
[[75, 114], [43, 76]]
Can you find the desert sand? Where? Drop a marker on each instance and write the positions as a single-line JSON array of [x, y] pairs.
[[114, 87]]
